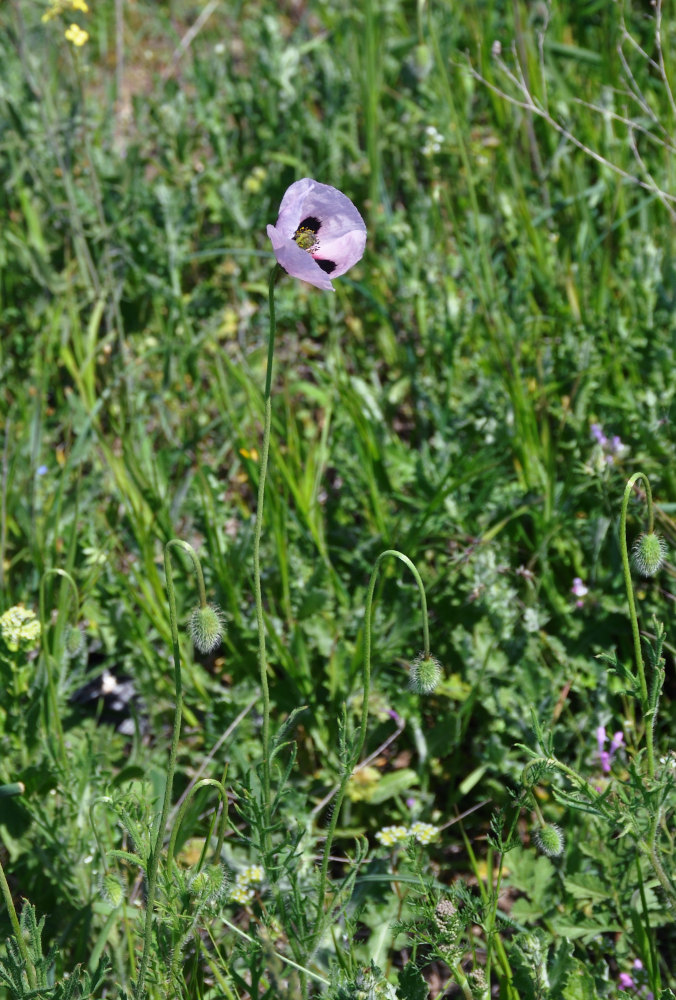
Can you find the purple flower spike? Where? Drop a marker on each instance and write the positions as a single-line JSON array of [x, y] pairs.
[[597, 433], [319, 233]]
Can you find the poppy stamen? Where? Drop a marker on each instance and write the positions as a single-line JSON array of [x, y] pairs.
[[306, 234]]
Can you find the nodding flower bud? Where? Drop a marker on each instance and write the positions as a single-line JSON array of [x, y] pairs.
[[550, 840], [112, 888], [424, 674], [649, 553], [73, 640], [210, 884], [206, 627]]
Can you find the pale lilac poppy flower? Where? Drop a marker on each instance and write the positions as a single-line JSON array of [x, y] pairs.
[[319, 233]]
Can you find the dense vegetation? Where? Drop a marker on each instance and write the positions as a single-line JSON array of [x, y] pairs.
[[476, 395]]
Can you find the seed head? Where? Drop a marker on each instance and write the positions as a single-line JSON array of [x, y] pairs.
[[649, 553], [206, 627], [424, 674]]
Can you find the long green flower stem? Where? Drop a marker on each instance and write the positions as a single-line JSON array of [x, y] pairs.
[[361, 738], [494, 941], [51, 685], [18, 933], [202, 783], [262, 476], [656, 861], [638, 655], [154, 859]]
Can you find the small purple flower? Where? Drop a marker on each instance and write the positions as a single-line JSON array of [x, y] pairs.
[[616, 742], [625, 982], [579, 590], [396, 718], [611, 448], [606, 756], [42, 470], [597, 433], [319, 233]]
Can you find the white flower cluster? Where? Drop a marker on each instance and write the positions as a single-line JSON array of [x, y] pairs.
[[19, 628], [424, 833], [242, 891], [433, 141]]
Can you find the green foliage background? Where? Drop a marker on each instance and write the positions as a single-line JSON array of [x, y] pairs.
[[514, 292]]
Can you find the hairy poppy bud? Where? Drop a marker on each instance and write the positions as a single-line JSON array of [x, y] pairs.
[[649, 553], [424, 674], [550, 840], [206, 627]]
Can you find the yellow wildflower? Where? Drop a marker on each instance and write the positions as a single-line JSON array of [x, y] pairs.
[[76, 35], [57, 7], [391, 835]]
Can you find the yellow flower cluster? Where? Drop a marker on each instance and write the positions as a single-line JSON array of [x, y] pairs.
[[424, 833], [391, 835], [77, 35], [74, 33], [242, 891], [57, 7], [19, 628]]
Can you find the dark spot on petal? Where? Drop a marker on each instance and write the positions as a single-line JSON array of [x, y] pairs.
[[326, 265], [310, 223]]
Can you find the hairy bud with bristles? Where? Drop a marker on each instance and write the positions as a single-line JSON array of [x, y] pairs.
[[424, 674], [73, 640], [550, 840], [649, 553], [206, 627]]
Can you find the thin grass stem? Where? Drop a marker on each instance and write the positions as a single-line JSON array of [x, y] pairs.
[[638, 654], [262, 657]]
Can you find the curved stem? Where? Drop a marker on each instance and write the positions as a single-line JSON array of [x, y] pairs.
[[657, 865], [73, 586], [178, 543], [368, 614], [262, 659], [101, 800], [638, 655], [18, 933], [354, 756], [202, 783], [154, 859], [588, 789], [51, 685]]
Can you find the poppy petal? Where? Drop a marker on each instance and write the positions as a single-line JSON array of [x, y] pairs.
[[340, 231], [296, 262]]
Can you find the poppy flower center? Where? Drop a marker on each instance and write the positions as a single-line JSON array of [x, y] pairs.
[[306, 238], [306, 234]]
